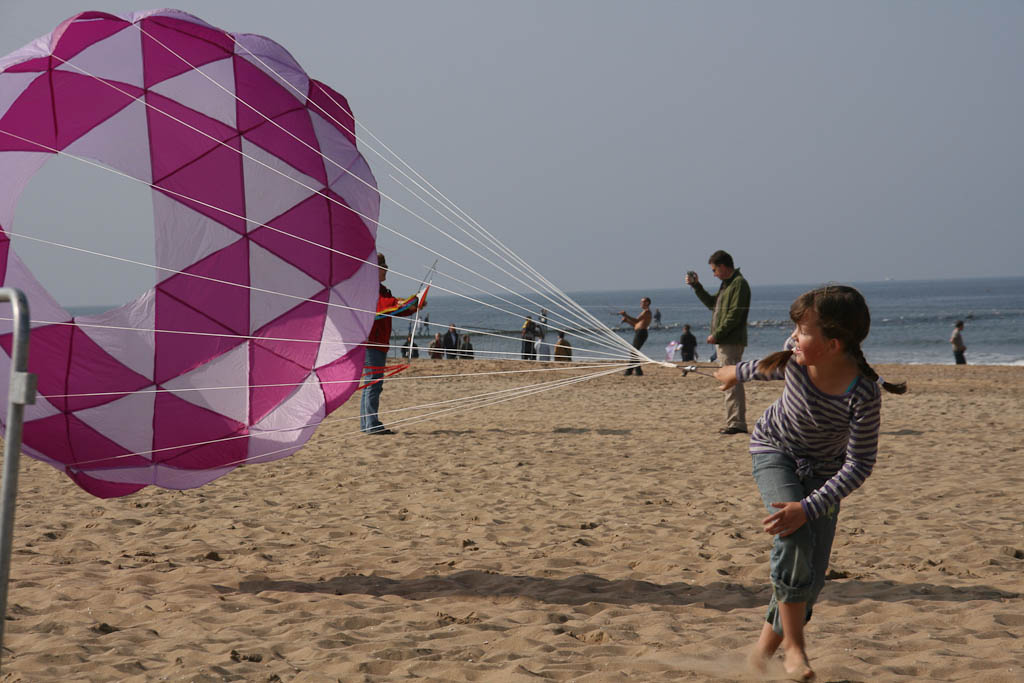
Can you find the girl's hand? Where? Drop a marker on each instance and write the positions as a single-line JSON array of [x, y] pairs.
[[789, 518], [727, 376]]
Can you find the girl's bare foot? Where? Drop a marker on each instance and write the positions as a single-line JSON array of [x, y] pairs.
[[797, 666], [757, 662]]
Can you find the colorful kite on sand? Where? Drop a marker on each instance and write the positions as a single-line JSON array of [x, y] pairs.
[[264, 224]]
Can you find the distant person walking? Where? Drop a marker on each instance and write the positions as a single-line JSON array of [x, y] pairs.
[[640, 325], [729, 307], [957, 340], [688, 344], [657, 318]]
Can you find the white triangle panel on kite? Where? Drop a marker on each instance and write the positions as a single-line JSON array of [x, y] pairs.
[[11, 87], [42, 408], [44, 308], [117, 57], [276, 278], [158, 475], [275, 61], [128, 421], [39, 410], [286, 428], [209, 90], [219, 385], [185, 236], [121, 142], [338, 150], [346, 327], [359, 190], [272, 186], [126, 333]]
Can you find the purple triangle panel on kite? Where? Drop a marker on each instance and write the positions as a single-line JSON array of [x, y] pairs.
[[31, 65], [260, 96], [49, 360], [101, 488], [30, 120], [340, 379], [82, 102], [5, 249], [295, 336], [291, 138], [306, 239], [203, 338], [333, 106], [217, 287], [86, 29], [91, 370], [187, 436], [284, 357], [66, 361], [212, 185], [351, 240], [68, 440], [173, 46], [180, 135]]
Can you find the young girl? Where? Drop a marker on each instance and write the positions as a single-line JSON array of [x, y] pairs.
[[810, 449]]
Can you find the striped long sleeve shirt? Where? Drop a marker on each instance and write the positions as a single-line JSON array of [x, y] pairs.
[[829, 436]]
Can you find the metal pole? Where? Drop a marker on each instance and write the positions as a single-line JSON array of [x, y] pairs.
[[22, 393]]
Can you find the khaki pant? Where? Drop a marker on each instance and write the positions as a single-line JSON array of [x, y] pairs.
[[735, 398]]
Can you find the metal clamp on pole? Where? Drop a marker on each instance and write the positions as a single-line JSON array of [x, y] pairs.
[[22, 392]]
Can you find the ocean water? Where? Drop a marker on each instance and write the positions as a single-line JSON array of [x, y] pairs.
[[911, 321]]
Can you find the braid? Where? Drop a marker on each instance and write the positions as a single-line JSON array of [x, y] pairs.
[[870, 373], [770, 364]]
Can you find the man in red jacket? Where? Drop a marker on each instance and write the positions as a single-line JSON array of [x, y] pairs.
[[377, 349]]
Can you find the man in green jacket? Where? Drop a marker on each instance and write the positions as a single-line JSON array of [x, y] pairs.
[[729, 307]]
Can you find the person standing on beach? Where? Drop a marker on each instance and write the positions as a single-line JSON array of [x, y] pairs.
[[466, 347], [729, 307], [813, 447], [688, 344], [640, 325], [451, 342], [377, 344], [957, 341], [563, 349], [436, 348], [529, 332]]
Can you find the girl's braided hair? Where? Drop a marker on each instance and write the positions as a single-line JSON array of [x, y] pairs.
[[842, 314]]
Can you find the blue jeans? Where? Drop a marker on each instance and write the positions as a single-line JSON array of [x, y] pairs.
[[369, 403], [798, 561]]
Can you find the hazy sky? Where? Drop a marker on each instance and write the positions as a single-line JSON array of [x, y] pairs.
[[617, 144]]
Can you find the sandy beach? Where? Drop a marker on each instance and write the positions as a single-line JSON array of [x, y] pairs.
[[600, 532]]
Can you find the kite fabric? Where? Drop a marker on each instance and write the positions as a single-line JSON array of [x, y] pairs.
[[264, 224]]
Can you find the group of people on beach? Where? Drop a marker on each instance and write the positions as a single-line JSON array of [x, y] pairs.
[[810, 449], [450, 345], [534, 344]]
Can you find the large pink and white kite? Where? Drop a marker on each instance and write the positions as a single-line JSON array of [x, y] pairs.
[[264, 218]]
